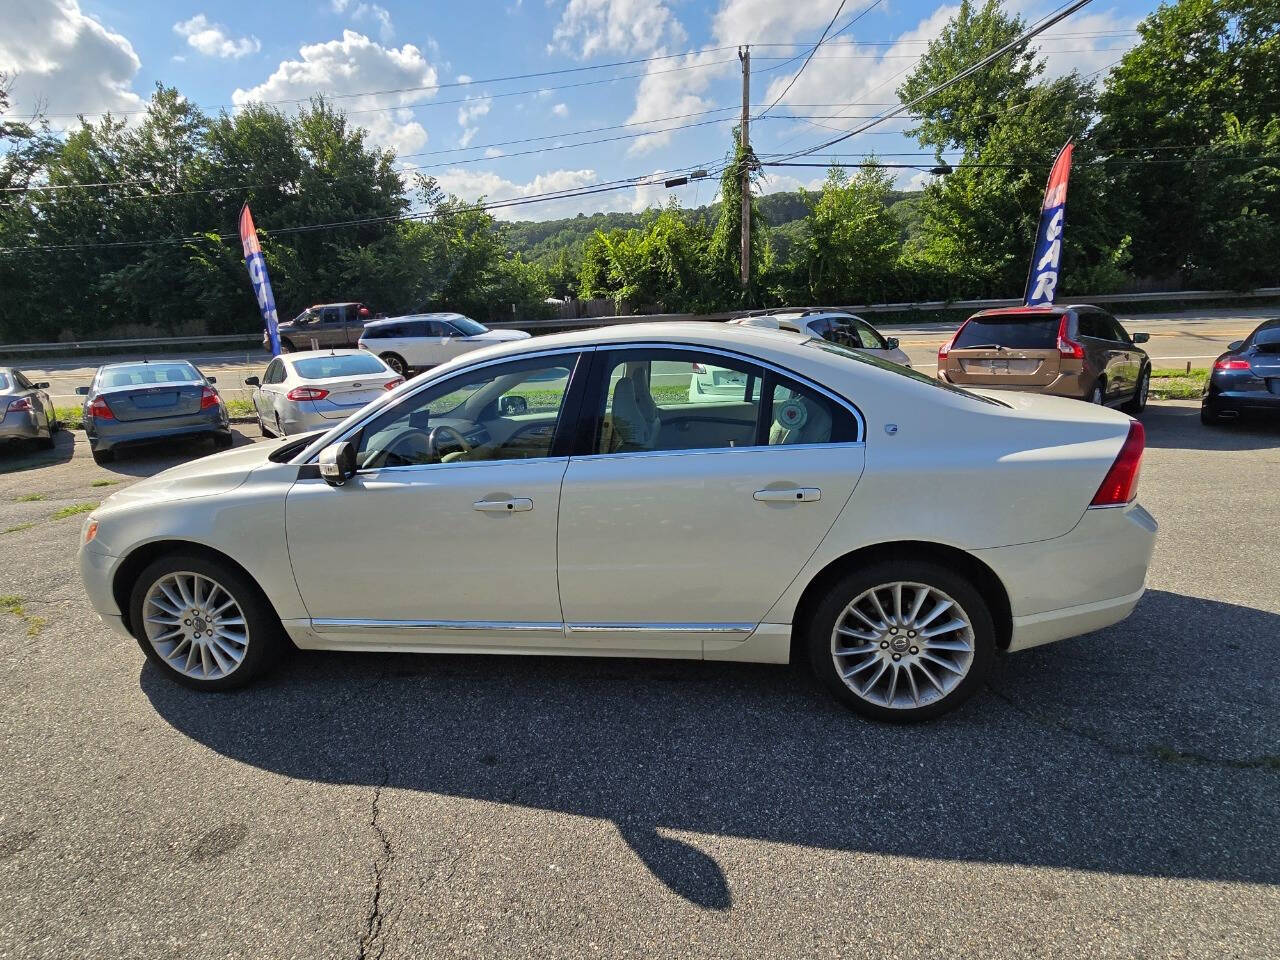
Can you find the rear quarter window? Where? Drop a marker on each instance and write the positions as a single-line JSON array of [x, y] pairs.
[[1017, 331]]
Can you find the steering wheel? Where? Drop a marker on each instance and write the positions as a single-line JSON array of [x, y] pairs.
[[444, 430]]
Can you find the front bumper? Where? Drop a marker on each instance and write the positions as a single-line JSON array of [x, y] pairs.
[[1086, 580], [97, 572]]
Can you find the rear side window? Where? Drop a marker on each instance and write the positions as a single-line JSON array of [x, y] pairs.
[[1017, 331], [379, 333], [345, 365], [1094, 325]]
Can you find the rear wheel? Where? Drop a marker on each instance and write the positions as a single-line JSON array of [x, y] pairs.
[[103, 456], [204, 624], [46, 443], [1139, 401], [1099, 392], [223, 441], [902, 640], [1209, 416], [396, 363]]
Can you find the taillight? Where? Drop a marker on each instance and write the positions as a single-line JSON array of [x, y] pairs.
[[945, 349], [307, 393], [699, 368], [392, 384], [100, 411], [1068, 349], [1120, 485], [208, 398], [21, 405], [1232, 364]]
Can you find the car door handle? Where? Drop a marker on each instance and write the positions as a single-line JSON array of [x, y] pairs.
[[789, 494], [513, 505]]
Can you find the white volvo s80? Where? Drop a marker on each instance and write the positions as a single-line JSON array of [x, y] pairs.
[[547, 496]]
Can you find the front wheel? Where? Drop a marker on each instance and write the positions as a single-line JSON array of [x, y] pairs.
[[902, 640], [396, 363], [1097, 396], [204, 624]]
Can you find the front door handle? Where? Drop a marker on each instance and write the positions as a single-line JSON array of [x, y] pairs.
[[790, 494], [513, 505]]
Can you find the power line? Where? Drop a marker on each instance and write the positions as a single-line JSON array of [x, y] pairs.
[[821, 40], [1018, 41]]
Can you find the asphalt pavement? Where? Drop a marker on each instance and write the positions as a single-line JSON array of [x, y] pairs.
[[1109, 796]]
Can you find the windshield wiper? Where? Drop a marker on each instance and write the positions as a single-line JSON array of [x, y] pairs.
[[981, 346]]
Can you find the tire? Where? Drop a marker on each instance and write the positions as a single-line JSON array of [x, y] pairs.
[[1098, 396], [262, 428], [46, 443], [103, 456], [896, 692], [214, 667], [1209, 416], [223, 441], [286, 346], [396, 363], [1136, 405], [279, 428]]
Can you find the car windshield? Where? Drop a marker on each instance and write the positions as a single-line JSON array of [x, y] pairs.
[[338, 365], [469, 326], [1016, 330], [143, 374], [900, 370]]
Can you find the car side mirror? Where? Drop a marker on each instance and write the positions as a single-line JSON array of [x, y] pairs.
[[338, 463], [212, 379], [1235, 345], [42, 385], [512, 406], [892, 342], [252, 382], [1141, 337], [82, 391]]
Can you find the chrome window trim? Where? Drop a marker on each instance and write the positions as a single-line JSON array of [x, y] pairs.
[[701, 451], [758, 361], [458, 464], [309, 454]]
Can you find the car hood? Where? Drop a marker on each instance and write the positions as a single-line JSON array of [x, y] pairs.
[[210, 475], [500, 336]]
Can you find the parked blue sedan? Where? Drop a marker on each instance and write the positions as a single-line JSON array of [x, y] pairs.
[[151, 400]]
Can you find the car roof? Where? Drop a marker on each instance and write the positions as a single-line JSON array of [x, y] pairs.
[[146, 362], [382, 321], [1046, 310]]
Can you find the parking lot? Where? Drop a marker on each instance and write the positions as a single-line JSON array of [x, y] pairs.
[[1113, 795]]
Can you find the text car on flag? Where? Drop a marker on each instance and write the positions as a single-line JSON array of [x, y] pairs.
[[258, 277], [1042, 280]]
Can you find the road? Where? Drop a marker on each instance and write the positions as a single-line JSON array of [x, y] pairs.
[[1176, 338], [1110, 796]]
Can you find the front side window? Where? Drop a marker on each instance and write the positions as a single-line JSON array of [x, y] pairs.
[[22, 382], [331, 315], [508, 411], [667, 400]]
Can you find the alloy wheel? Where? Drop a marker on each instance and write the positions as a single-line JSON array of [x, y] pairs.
[[903, 645], [196, 626]]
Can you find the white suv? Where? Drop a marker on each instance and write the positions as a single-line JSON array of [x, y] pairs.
[[834, 326], [424, 340]]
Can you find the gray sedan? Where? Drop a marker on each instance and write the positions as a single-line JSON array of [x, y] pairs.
[[314, 389], [151, 400], [26, 412]]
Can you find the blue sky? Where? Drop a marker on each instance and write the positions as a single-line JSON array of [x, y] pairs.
[[454, 118]]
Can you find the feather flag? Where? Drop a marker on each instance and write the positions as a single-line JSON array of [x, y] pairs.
[[258, 277], [1046, 258]]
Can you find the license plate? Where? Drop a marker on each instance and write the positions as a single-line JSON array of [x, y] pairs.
[[149, 401]]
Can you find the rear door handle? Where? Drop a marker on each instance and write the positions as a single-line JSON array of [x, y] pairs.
[[513, 505], [790, 494]]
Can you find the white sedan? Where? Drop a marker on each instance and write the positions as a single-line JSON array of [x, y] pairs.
[[425, 340], [314, 389], [535, 497]]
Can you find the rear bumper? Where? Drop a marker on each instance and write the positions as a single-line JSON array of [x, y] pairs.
[[1069, 385], [109, 434], [1243, 400], [19, 426], [1086, 580]]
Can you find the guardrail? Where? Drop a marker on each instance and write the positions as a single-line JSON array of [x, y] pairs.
[[1186, 296]]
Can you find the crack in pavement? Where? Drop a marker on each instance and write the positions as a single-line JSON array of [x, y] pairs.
[[377, 918], [1159, 752]]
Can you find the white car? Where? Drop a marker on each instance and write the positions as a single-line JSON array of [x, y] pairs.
[[313, 389], [834, 326], [535, 497], [425, 340]]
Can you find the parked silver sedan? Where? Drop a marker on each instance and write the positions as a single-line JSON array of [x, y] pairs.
[[314, 389], [26, 412]]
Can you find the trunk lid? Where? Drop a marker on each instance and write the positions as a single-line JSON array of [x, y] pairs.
[[349, 394], [1006, 350], [154, 402]]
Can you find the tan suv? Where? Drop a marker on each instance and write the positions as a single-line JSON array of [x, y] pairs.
[[1076, 351]]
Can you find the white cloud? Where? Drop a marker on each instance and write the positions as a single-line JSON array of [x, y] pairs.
[[491, 152], [212, 39], [464, 78], [338, 6], [467, 117], [471, 184], [380, 15], [560, 109], [1085, 54], [761, 21], [65, 61], [354, 64], [589, 27]]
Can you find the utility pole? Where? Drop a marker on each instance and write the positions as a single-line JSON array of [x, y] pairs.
[[744, 174]]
